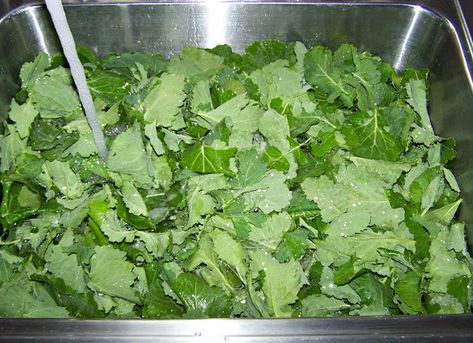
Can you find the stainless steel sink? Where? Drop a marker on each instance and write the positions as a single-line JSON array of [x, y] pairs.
[[422, 34]]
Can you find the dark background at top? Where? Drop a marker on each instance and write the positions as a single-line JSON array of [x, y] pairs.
[[467, 6]]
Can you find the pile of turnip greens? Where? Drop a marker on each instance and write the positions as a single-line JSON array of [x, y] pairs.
[[283, 182]]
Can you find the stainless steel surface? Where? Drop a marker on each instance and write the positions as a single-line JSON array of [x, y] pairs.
[[422, 33], [400, 329]]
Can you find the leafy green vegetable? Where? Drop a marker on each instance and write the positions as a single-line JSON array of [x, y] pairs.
[[128, 156], [283, 182], [281, 282], [108, 86], [53, 96], [117, 284], [164, 100], [366, 135], [199, 299], [205, 159]]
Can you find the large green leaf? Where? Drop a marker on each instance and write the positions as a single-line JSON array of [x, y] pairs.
[[321, 71], [205, 159], [111, 274], [281, 284], [200, 299], [367, 136], [53, 96], [108, 86], [163, 103], [127, 155]]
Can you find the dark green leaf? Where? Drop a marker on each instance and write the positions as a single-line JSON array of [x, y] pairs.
[[10, 210], [157, 303], [45, 134], [200, 300], [321, 72], [408, 290], [108, 86], [140, 222], [86, 56], [372, 291], [459, 288], [126, 63], [345, 273], [293, 246], [225, 51], [275, 159], [261, 53], [367, 136], [79, 305]]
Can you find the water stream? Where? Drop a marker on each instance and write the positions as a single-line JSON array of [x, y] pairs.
[[58, 16]]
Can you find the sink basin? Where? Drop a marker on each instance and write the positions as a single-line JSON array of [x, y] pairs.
[[421, 34]]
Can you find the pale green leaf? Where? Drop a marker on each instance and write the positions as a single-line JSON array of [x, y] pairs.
[[23, 116], [111, 274], [271, 231], [66, 267], [416, 90], [433, 191], [205, 159], [162, 171], [11, 145], [133, 199], [388, 171], [269, 194], [53, 96], [163, 103], [27, 198], [251, 168], [448, 304], [230, 252], [128, 156], [199, 204], [207, 255], [329, 288], [84, 147], [195, 64], [355, 190], [321, 306], [277, 81], [19, 301], [368, 136], [231, 109], [31, 71], [275, 128], [321, 72], [451, 179], [407, 288], [456, 238], [115, 230], [443, 214], [281, 283], [422, 135], [155, 243], [209, 182], [337, 250], [201, 98], [443, 265], [173, 140], [62, 176], [152, 134], [73, 218], [349, 223]]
